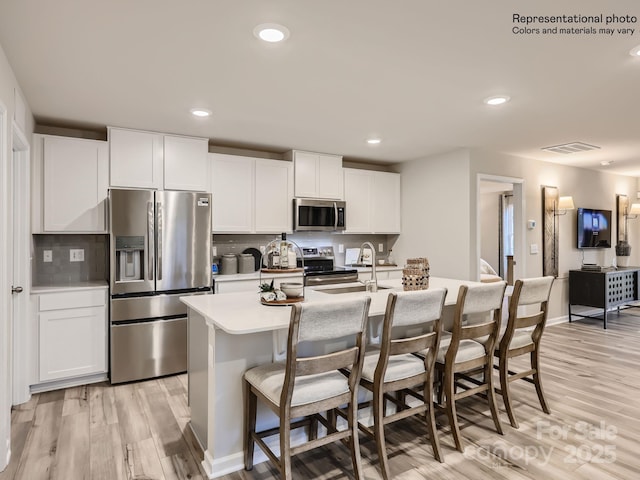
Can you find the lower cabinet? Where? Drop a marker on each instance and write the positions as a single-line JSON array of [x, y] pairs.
[[363, 276], [72, 334]]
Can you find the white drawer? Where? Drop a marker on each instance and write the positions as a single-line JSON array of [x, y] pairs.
[[76, 299]]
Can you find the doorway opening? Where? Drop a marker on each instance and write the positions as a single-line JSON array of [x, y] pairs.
[[500, 214]]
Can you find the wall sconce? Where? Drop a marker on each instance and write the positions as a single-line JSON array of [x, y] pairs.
[[552, 207], [564, 204], [624, 213]]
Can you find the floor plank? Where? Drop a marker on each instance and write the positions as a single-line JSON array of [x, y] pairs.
[[140, 430]]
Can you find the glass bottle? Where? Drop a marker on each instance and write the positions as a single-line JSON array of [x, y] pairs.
[[284, 252], [275, 258]]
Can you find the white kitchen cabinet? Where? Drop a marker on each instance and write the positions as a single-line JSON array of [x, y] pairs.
[[186, 163], [385, 214], [140, 159], [232, 192], [274, 196], [317, 175], [251, 195], [381, 274], [373, 201], [72, 334], [358, 186], [70, 182], [135, 159]]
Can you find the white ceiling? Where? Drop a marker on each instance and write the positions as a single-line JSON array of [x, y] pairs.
[[413, 72]]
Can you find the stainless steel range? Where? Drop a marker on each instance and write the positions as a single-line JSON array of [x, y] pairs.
[[320, 268]]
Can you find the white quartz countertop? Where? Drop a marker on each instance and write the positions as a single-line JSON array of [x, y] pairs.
[[242, 313]]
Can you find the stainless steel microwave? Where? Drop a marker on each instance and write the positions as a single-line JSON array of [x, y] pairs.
[[310, 214]]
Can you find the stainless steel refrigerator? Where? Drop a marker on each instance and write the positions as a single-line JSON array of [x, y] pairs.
[[160, 250]]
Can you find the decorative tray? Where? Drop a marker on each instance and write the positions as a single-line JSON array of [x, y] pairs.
[[288, 301]]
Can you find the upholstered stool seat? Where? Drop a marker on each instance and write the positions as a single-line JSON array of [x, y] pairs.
[[467, 350], [398, 368], [308, 389]]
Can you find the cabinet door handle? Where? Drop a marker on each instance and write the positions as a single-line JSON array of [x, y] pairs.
[[16, 289]]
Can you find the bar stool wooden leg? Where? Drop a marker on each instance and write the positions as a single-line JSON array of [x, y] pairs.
[[491, 395], [535, 364], [450, 398], [354, 442], [506, 394], [285, 447], [378, 420], [251, 406], [431, 420]]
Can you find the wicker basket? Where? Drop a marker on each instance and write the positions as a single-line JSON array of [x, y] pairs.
[[415, 275]]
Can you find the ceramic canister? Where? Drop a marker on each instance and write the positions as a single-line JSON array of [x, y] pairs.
[[246, 263], [229, 264]]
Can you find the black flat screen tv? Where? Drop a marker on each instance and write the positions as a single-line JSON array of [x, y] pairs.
[[594, 228]]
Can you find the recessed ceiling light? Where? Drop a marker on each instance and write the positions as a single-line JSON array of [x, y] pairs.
[[200, 112], [606, 163], [271, 32], [635, 51], [374, 141], [497, 100]]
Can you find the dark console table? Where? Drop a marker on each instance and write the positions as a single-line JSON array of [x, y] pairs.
[[604, 289]]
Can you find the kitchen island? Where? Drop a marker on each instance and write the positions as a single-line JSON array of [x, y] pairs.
[[231, 333]]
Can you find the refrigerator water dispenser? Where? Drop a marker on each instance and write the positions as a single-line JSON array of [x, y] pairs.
[[129, 258]]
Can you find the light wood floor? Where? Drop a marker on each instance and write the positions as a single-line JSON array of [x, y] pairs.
[[139, 431]]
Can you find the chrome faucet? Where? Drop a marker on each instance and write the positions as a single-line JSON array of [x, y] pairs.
[[372, 285]]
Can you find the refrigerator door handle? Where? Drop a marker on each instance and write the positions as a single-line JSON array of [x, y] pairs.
[[150, 242], [159, 233]]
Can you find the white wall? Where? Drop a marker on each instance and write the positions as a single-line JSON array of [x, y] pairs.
[[439, 213], [436, 213], [8, 86], [589, 188]]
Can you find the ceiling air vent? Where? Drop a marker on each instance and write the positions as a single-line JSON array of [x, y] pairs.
[[573, 147]]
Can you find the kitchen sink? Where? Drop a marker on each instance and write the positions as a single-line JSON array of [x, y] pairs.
[[351, 289]]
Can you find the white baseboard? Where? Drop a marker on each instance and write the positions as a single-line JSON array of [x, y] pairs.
[[8, 459], [217, 467], [69, 382], [557, 320]]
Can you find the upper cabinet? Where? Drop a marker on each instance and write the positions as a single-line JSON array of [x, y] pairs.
[[385, 203], [251, 195], [141, 159], [317, 175], [274, 196], [70, 181], [186, 163], [373, 201]]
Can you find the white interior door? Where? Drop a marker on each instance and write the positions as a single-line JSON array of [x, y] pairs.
[[5, 298], [23, 330]]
